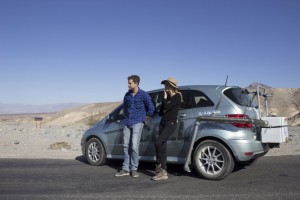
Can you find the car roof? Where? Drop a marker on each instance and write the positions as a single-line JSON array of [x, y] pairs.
[[198, 87]]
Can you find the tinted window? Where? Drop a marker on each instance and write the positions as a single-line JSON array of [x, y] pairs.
[[157, 100], [238, 96], [118, 114], [200, 99], [185, 104], [194, 98], [186, 100]]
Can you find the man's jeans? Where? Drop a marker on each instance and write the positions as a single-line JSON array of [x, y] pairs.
[[132, 136]]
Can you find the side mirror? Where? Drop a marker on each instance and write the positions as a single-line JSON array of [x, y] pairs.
[[120, 117], [109, 119]]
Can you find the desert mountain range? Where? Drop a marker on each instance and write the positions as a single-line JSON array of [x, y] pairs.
[[28, 108], [283, 102]]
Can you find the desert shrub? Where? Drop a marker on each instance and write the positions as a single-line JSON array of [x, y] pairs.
[[59, 145]]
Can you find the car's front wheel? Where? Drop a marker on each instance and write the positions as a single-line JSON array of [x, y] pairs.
[[212, 160], [95, 153]]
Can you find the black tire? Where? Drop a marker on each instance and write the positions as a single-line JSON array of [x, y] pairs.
[[94, 152], [212, 160]]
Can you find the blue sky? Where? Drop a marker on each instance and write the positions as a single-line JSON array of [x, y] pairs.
[[59, 51]]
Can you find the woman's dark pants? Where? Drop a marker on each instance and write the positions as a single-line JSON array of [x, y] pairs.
[[166, 128]]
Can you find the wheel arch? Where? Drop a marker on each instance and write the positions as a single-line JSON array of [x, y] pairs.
[[199, 140], [100, 140]]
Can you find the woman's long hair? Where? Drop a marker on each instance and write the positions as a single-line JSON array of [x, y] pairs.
[[177, 91]]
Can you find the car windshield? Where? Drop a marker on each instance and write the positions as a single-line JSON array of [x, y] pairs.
[[240, 97]]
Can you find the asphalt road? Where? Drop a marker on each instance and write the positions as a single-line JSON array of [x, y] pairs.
[[268, 178]]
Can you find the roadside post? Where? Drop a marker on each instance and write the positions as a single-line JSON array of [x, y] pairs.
[[38, 119]]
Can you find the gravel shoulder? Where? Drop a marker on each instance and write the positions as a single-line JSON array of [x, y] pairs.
[[31, 141], [291, 147]]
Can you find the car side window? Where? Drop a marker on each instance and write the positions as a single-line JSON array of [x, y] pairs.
[[200, 99], [186, 100], [157, 98], [117, 115]]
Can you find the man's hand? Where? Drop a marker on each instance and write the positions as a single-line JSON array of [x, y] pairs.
[[148, 118]]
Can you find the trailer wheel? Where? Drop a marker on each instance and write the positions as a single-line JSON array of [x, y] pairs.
[[212, 160]]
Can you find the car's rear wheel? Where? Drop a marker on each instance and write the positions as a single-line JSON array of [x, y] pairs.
[[212, 160], [95, 153]]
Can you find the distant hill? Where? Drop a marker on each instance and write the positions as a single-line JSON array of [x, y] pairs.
[[283, 102], [87, 114], [27, 108], [255, 84]]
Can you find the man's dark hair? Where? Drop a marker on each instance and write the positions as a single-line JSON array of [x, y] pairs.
[[134, 78]]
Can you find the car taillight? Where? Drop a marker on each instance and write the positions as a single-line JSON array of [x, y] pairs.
[[240, 116]]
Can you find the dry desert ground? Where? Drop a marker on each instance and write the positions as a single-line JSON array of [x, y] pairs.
[[27, 139]]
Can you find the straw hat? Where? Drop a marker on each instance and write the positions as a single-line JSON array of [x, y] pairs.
[[171, 81]]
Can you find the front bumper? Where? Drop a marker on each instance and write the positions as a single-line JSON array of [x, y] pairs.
[[83, 143]]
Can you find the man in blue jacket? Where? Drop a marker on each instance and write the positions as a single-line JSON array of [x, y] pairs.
[[137, 105]]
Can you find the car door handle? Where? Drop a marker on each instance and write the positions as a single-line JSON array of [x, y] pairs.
[[182, 115]]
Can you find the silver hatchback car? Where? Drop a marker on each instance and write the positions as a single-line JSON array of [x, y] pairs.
[[215, 148]]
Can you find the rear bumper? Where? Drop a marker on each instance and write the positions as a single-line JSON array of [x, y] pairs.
[[245, 150]]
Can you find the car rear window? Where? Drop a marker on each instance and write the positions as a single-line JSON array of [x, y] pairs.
[[239, 96]]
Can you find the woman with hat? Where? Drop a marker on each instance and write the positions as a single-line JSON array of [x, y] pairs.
[[168, 111]]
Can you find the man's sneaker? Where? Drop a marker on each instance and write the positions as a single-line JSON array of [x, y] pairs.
[[162, 175], [123, 172], [134, 174]]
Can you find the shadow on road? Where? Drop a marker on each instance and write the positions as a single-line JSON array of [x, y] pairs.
[[146, 168], [82, 159]]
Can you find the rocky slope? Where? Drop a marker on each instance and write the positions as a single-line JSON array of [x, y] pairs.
[[86, 114], [283, 102]]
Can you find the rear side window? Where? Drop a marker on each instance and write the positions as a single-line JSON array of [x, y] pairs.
[[194, 99], [238, 96], [186, 103], [200, 99]]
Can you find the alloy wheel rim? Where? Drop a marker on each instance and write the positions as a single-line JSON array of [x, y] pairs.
[[211, 160], [93, 152]]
